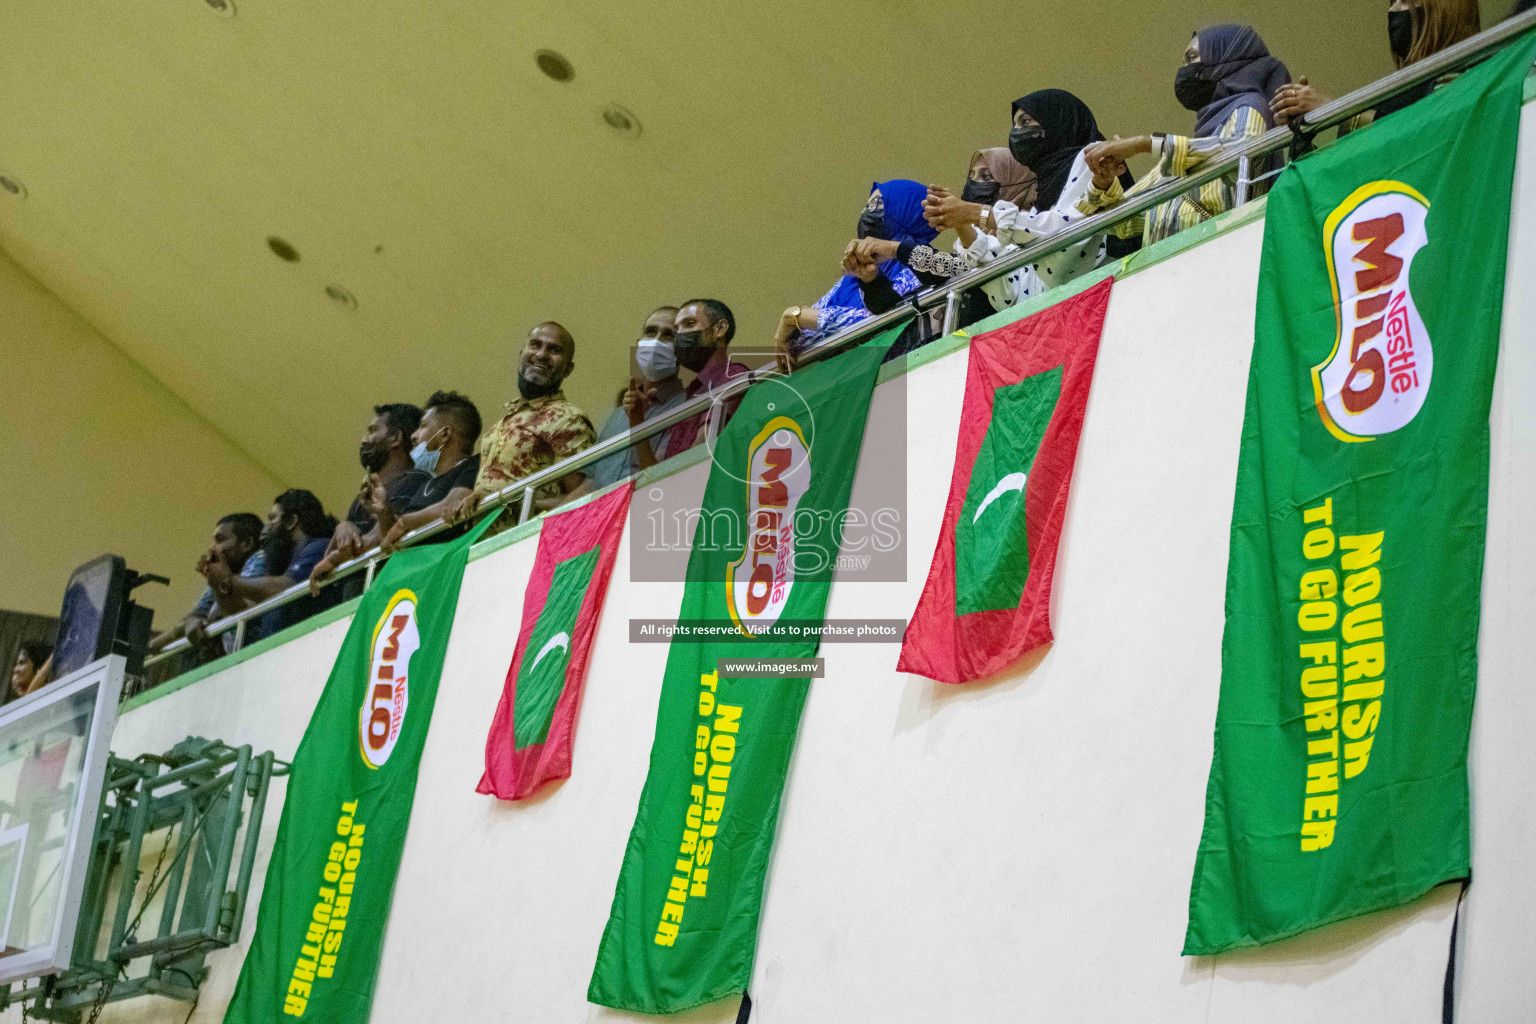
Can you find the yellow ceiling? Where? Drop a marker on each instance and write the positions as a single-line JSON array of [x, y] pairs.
[[413, 153]]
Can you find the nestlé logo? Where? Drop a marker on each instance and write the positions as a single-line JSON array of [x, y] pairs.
[[395, 639], [778, 475], [1377, 376]]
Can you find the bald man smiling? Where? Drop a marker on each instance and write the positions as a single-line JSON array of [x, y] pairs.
[[540, 427]]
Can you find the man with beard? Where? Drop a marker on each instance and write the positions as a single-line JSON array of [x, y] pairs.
[[539, 429], [385, 454], [236, 544], [297, 532]]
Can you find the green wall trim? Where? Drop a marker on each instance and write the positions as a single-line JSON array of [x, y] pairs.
[[1132, 264]]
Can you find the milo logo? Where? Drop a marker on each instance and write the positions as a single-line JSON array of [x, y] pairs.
[[778, 475], [1377, 376], [395, 639]]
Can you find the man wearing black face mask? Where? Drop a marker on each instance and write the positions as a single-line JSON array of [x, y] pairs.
[[385, 454], [1228, 79], [703, 331]]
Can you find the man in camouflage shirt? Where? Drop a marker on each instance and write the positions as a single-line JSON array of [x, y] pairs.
[[540, 428]]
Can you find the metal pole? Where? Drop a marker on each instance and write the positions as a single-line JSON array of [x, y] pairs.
[[368, 575], [252, 837], [1242, 181], [712, 423], [226, 849], [178, 868], [951, 313], [130, 863], [527, 509], [239, 634]]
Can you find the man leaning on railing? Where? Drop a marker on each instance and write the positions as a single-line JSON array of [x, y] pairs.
[[297, 532], [442, 450]]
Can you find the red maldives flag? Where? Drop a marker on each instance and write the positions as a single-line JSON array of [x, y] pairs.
[[535, 724], [988, 595]]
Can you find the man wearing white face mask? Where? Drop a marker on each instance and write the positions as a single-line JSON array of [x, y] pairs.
[[444, 455], [658, 390]]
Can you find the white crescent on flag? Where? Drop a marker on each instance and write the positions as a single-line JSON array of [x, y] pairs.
[[1011, 482], [562, 640]]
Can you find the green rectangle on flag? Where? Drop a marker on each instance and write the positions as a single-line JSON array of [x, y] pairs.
[[1338, 784], [542, 676], [987, 599], [992, 555]]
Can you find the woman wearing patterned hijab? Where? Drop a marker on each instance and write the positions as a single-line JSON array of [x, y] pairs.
[[993, 175], [1051, 129], [893, 214], [1229, 80]]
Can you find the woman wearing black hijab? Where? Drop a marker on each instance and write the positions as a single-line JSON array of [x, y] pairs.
[[1228, 79], [1051, 129]]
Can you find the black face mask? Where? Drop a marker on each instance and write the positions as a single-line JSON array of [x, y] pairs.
[[983, 192], [691, 350], [372, 455], [1400, 33], [1192, 91], [871, 224], [1027, 144]]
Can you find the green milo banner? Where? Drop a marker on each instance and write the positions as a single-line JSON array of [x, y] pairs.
[[325, 904], [1349, 662], [683, 928]]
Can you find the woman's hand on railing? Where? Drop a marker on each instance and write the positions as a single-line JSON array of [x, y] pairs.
[[863, 256], [790, 325], [1296, 99], [1107, 159]]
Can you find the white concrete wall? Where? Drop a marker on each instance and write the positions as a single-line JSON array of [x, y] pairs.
[[1015, 851]]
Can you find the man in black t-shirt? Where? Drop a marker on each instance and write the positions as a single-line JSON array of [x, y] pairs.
[[448, 433], [385, 453], [443, 445]]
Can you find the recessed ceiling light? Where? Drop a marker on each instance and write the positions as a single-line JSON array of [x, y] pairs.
[[339, 295], [282, 250], [223, 8], [554, 65], [12, 186], [621, 120]]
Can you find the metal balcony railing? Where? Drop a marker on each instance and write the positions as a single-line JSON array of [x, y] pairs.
[[1239, 157]]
